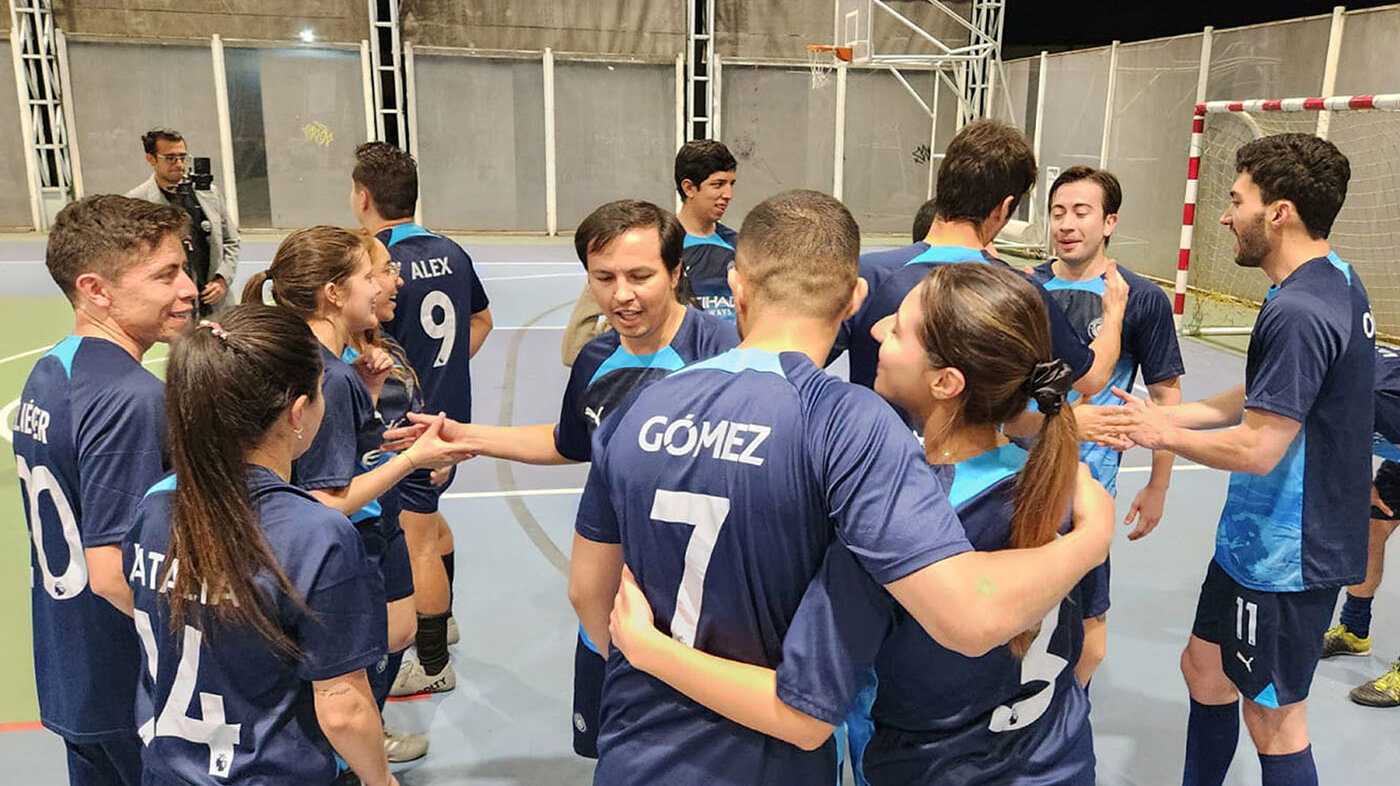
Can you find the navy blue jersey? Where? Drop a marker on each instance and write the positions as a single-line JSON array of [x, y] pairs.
[[1149, 345], [893, 274], [1387, 436], [347, 444], [1311, 359], [941, 717], [725, 483], [87, 444], [254, 720], [605, 374], [440, 293], [707, 260]]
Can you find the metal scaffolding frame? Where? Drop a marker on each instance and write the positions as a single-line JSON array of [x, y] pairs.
[[386, 67], [37, 48], [700, 69]]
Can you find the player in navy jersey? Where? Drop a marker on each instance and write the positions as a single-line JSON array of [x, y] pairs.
[[723, 484], [632, 252], [1352, 633], [705, 178], [1084, 205], [245, 590], [986, 171], [323, 275], [87, 442], [1298, 448], [969, 349], [443, 316]]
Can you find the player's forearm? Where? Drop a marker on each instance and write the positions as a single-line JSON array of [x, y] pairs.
[[1106, 347], [347, 714], [106, 577], [526, 444], [1222, 410], [1233, 450], [595, 571], [978, 600], [481, 326], [1161, 476], [744, 693], [367, 487]]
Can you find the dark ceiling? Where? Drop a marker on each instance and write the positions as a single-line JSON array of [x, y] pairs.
[[1035, 25]]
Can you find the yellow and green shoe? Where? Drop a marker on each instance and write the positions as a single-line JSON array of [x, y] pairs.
[[1383, 691], [1340, 641]]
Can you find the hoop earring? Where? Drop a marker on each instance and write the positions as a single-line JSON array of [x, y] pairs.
[[297, 431]]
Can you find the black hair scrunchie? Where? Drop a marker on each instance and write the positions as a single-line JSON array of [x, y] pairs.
[[1048, 384]]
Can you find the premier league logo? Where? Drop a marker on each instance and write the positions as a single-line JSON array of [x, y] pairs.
[[1095, 327]]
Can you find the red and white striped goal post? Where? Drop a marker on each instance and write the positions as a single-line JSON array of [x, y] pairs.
[[1198, 126]]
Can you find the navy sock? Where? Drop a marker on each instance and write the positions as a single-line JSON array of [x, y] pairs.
[[1290, 769], [1356, 615], [1212, 734], [449, 565]]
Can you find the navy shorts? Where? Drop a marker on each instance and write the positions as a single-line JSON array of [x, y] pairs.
[[385, 545], [1388, 486], [1094, 591], [1270, 642], [589, 668], [418, 493], [115, 761]]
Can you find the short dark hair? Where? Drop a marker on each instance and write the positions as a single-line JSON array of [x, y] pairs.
[[390, 175], [1104, 179], [1306, 170], [984, 164], [149, 139], [107, 234], [800, 250], [615, 219], [1112, 189], [700, 158], [923, 220]]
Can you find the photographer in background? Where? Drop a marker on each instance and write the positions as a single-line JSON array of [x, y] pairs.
[[211, 253]]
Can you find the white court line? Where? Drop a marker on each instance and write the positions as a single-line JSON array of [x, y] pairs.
[[529, 327], [517, 493], [26, 354], [530, 264], [1175, 468], [575, 274]]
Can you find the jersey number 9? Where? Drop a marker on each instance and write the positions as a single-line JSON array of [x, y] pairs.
[[444, 330]]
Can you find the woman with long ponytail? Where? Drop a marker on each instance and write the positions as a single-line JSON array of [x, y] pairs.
[[246, 591], [968, 350], [326, 277]]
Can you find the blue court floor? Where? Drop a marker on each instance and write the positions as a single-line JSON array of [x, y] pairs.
[[508, 720]]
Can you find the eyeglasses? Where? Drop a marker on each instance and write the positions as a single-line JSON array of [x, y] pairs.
[[394, 268], [173, 158]]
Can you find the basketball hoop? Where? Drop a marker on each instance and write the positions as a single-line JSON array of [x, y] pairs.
[[822, 58]]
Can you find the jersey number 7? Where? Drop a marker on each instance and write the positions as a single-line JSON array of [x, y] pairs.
[[706, 514]]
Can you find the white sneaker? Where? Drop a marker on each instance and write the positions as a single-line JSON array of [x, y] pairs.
[[413, 680], [401, 746], [454, 634]]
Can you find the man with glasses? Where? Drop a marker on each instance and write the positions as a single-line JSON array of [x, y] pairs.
[[211, 253]]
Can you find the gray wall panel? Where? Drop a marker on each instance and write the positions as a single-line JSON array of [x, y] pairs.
[[887, 149], [615, 134], [781, 131], [1076, 88], [1368, 63], [314, 116], [1269, 61], [14, 200], [485, 117]]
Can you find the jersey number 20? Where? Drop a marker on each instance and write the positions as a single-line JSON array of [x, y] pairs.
[[74, 578]]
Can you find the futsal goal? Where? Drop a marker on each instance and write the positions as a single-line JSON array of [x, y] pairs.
[[1366, 233]]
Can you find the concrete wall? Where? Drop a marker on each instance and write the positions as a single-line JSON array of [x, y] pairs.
[[275, 20], [634, 27]]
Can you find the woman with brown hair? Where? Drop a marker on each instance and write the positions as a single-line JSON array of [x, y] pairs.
[[968, 350], [246, 591]]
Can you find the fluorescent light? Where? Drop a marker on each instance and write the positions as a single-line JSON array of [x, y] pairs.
[[308, 35]]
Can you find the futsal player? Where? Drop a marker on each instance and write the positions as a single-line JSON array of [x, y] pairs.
[[323, 274], [88, 437], [443, 317], [705, 177], [1296, 438], [1352, 633], [986, 171], [247, 591], [969, 349], [1084, 204], [632, 252], [721, 486]]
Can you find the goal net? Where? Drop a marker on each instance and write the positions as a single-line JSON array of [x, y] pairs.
[[1223, 297]]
